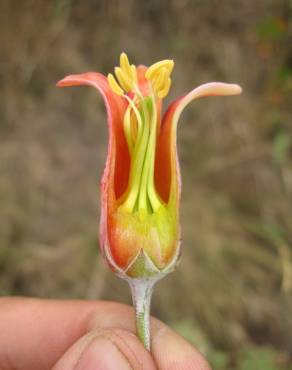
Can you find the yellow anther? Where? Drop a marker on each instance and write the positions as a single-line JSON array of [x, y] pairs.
[[160, 79], [125, 65], [114, 85], [134, 73], [158, 74], [164, 91], [156, 67], [126, 75], [124, 81], [129, 73]]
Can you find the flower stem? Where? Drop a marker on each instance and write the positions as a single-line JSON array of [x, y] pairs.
[[141, 290]]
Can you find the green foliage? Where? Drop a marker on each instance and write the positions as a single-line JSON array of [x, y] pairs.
[[281, 146], [219, 360], [259, 359], [271, 29], [192, 333], [285, 73], [249, 358]]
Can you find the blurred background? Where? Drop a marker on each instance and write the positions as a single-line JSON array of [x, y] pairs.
[[232, 292]]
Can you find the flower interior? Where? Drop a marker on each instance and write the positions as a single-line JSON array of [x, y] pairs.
[[144, 221], [141, 127], [140, 189]]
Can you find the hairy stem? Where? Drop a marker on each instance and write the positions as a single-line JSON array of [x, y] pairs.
[[141, 294]]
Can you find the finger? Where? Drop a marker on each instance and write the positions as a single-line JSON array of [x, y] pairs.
[[35, 333], [170, 350], [106, 349]]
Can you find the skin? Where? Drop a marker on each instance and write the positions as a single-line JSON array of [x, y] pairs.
[[40, 334]]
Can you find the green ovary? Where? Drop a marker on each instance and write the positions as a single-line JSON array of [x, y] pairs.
[[155, 233]]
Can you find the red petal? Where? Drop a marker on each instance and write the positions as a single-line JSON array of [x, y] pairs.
[[115, 106], [142, 82], [167, 175], [116, 172]]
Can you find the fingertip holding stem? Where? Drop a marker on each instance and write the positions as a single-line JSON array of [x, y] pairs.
[[106, 349]]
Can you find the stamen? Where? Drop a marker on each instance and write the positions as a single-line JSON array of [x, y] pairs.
[[136, 112], [168, 64], [126, 75], [127, 129], [123, 79], [134, 72], [128, 203], [134, 128], [125, 66], [164, 91], [140, 130], [143, 204], [155, 201], [114, 85], [160, 79], [158, 74], [151, 192]]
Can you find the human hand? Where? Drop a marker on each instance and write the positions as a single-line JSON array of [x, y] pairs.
[[40, 334]]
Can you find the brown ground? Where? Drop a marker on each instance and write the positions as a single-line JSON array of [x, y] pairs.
[[231, 294]]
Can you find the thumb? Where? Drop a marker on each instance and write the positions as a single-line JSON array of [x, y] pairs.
[[107, 349]]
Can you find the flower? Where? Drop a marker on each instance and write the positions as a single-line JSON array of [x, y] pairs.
[[140, 188]]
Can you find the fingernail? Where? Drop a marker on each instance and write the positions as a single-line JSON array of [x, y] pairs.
[[102, 354]]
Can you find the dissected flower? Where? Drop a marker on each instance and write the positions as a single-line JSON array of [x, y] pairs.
[[140, 188]]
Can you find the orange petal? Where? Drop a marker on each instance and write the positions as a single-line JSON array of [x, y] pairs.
[[167, 173], [115, 106], [116, 172], [142, 82]]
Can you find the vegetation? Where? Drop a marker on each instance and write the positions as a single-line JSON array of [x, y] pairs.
[[232, 294]]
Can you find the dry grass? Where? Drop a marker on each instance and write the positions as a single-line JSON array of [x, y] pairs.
[[235, 280]]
